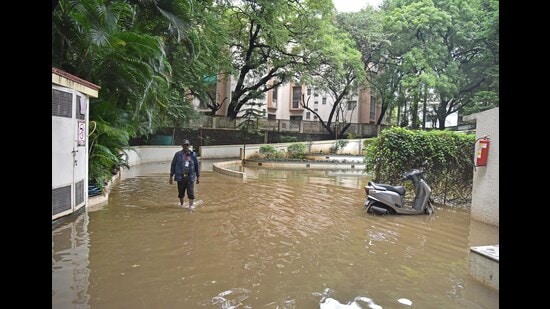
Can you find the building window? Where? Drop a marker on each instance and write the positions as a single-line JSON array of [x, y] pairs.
[[372, 108], [352, 105], [308, 91], [324, 100], [308, 115], [296, 96], [274, 96]]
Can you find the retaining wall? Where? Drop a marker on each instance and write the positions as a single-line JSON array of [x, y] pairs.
[[148, 154]]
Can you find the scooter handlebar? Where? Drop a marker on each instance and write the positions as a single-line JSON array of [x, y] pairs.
[[413, 175]]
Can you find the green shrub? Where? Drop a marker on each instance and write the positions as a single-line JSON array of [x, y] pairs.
[[445, 156], [268, 151], [367, 141], [297, 151]]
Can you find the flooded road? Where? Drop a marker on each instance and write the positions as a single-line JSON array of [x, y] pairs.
[[277, 239]]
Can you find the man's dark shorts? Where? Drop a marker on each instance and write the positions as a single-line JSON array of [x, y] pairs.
[[186, 185]]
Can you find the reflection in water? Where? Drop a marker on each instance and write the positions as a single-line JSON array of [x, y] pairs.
[[70, 272], [278, 239]]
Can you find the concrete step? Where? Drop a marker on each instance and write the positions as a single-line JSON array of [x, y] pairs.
[[483, 262]]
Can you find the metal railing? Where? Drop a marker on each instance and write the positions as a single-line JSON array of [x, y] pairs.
[[279, 125], [297, 126]]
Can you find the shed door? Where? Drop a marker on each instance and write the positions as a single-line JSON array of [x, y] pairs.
[[69, 151]]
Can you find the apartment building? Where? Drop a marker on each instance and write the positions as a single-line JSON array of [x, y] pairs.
[[285, 103]]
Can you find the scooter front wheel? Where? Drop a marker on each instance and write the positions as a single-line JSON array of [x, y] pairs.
[[430, 209]]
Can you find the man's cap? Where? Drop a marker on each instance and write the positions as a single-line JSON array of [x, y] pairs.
[[186, 142]]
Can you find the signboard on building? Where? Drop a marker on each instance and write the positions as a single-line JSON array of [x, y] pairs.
[[81, 133]]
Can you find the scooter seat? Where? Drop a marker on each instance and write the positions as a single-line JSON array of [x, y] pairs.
[[380, 186]]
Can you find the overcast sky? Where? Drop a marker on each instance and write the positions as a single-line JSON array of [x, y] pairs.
[[354, 5]]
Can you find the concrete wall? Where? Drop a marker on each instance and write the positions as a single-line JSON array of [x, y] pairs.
[[353, 147], [148, 154], [221, 152], [225, 168], [485, 191]]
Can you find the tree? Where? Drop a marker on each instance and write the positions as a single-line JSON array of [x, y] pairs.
[[337, 70], [418, 52], [382, 75], [267, 46], [198, 52], [98, 41], [452, 50], [251, 116]]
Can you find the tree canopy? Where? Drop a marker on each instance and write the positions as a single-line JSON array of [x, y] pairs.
[[429, 51]]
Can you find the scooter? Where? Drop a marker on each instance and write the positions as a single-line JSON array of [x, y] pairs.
[[384, 199]]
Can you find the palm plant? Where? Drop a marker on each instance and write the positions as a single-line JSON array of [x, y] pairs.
[[98, 41]]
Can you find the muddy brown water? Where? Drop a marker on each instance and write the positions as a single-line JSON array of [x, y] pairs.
[[278, 239]]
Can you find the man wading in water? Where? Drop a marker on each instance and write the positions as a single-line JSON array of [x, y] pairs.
[[184, 167]]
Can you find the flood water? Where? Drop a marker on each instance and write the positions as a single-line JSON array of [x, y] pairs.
[[277, 239]]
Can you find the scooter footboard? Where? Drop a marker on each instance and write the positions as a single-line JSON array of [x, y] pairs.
[[378, 210], [375, 207]]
